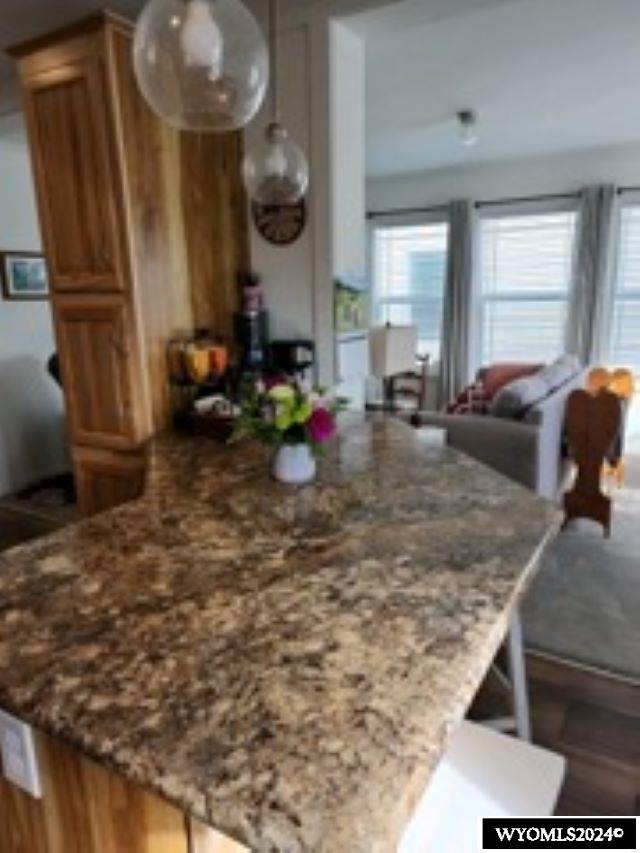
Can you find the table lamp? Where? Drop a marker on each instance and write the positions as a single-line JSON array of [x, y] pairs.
[[393, 351]]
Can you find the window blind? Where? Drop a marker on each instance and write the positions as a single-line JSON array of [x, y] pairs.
[[409, 278], [625, 328], [525, 274]]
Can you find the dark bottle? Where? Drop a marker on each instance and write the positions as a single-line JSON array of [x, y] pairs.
[[251, 324]]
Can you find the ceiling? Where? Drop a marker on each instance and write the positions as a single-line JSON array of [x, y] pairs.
[[545, 76], [23, 19]]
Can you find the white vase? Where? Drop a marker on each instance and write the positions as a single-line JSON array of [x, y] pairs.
[[294, 463]]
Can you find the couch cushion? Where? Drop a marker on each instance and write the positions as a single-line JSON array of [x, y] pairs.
[[519, 395], [496, 376]]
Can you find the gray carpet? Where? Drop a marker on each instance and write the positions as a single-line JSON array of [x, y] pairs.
[[585, 603]]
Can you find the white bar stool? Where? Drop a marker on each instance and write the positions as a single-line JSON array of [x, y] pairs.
[[482, 774]]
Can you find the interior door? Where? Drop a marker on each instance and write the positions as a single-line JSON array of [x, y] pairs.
[[99, 367], [75, 172]]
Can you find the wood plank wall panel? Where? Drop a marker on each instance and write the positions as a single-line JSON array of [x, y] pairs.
[[148, 150], [188, 221], [86, 808], [216, 227]]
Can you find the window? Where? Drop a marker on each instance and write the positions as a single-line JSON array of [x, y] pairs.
[[625, 329], [409, 273], [525, 274]]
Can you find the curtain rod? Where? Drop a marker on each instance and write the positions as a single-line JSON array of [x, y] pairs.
[[406, 211], [525, 199], [438, 208]]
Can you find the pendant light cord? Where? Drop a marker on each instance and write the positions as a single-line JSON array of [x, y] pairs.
[[273, 31]]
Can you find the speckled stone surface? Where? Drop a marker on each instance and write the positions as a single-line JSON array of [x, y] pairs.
[[282, 663]]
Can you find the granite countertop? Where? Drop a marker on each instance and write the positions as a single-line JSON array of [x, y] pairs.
[[284, 664]]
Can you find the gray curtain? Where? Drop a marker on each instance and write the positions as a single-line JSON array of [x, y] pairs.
[[593, 273], [456, 317]]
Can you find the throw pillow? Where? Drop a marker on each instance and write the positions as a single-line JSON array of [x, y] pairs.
[[496, 376], [512, 400], [472, 401]]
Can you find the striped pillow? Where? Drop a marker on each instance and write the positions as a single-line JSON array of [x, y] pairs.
[[474, 400]]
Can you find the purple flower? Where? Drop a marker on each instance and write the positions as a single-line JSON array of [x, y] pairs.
[[321, 425]]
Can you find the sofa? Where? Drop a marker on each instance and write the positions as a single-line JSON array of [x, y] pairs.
[[527, 445]]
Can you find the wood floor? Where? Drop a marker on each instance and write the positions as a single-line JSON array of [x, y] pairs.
[[17, 527], [37, 511], [594, 721]]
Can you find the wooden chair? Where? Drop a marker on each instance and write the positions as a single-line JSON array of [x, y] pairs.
[[411, 385], [621, 383], [593, 424], [597, 379]]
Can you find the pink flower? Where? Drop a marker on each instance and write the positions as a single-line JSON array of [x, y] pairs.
[[321, 425]]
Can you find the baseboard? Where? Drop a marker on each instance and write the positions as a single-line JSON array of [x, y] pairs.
[[582, 682], [583, 667]]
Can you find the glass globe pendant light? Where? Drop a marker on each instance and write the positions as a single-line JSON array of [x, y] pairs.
[[201, 64], [278, 173]]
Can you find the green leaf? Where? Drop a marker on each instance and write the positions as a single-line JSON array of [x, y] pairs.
[[302, 413]]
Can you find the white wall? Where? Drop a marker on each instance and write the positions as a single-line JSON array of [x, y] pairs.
[[348, 151], [32, 438], [297, 278], [490, 181]]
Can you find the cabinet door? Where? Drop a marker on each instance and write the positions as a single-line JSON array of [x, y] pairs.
[[100, 371], [107, 478], [76, 175]]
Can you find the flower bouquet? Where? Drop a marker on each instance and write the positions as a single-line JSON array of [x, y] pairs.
[[295, 420]]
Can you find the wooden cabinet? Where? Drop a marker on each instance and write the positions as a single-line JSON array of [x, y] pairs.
[[105, 479], [87, 808], [145, 232], [74, 165], [98, 362]]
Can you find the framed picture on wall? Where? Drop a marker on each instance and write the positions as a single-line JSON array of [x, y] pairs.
[[24, 275]]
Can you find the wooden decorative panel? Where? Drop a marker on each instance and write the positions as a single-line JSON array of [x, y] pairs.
[[66, 109], [99, 374]]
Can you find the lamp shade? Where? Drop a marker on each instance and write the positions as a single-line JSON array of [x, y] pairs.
[[393, 350], [279, 173], [201, 65]]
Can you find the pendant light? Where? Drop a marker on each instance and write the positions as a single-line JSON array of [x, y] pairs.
[[468, 127], [277, 174], [201, 64]]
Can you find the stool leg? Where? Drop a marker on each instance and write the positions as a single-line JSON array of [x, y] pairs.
[[518, 676]]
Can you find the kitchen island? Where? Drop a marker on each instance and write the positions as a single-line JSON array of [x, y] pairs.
[[284, 665]]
